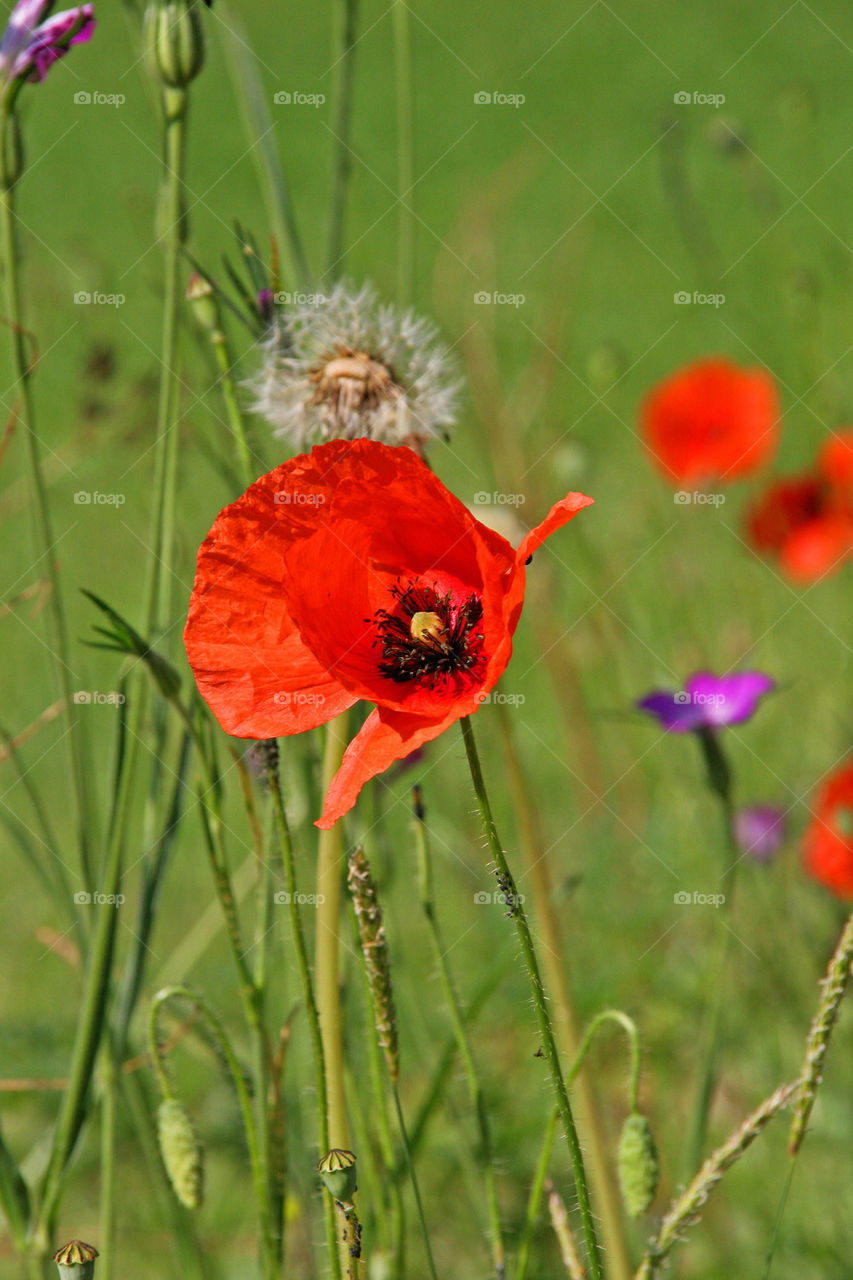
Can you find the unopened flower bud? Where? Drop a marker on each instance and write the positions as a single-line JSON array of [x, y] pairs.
[[182, 1152], [76, 1260], [201, 296], [639, 1167], [337, 1169], [173, 42]]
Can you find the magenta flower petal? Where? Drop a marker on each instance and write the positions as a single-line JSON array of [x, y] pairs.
[[708, 701], [760, 830], [49, 42], [23, 21]]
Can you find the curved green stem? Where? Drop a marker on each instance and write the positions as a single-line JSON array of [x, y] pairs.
[[630, 1028], [543, 1019]]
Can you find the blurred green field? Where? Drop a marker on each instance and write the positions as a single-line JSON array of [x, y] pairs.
[[597, 199]]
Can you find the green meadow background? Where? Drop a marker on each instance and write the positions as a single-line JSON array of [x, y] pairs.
[[587, 207]]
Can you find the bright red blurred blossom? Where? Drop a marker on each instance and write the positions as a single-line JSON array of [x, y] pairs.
[[352, 573], [711, 421], [807, 520], [828, 840]]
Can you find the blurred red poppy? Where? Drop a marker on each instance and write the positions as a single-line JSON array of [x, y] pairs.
[[711, 421], [352, 573], [828, 840]]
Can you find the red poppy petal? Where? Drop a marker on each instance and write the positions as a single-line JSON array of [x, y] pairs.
[[384, 737], [818, 547], [835, 460], [561, 513]]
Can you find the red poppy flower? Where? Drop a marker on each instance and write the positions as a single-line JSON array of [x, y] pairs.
[[804, 521], [828, 840], [352, 573], [835, 460], [711, 421]]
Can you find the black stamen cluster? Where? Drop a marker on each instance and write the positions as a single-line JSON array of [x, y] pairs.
[[458, 648]]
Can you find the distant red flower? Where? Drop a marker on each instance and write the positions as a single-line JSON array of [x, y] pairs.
[[828, 840], [807, 520], [711, 421], [353, 573]]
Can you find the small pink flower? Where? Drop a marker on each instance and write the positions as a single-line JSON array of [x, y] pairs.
[[30, 46]]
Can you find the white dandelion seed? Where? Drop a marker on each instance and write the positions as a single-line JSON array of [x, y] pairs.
[[350, 366]]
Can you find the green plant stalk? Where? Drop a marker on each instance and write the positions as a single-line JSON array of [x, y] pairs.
[[405, 152], [457, 1018], [109, 1089], [269, 1264], [534, 1200], [261, 1064], [630, 1028], [329, 856], [686, 1208], [590, 1125], [344, 24], [56, 611], [171, 210], [225, 363], [311, 1008], [719, 781], [543, 1019], [413, 1178]]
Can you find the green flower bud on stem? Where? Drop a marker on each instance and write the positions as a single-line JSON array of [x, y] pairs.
[[639, 1167], [76, 1260], [337, 1169], [182, 1152], [173, 42], [203, 301]]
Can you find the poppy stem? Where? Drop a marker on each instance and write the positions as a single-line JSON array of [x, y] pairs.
[[549, 1046]]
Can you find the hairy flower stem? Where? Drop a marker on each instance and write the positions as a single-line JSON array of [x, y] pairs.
[[25, 413], [457, 1018], [590, 1126], [833, 988], [719, 781], [543, 1019], [346, 13], [173, 229], [405, 152], [311, 1007], [329, 858], [687, 1208]]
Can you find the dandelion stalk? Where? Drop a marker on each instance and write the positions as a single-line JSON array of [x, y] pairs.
[[833, 988], [311, 1008], [590, 1124], [345, 17], [457, 1018], [543, 1019], [687, 1208], [25, 412]]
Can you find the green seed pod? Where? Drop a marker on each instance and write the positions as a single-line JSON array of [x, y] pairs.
[[173, 42], [639, 1167], [182, 1152], [76, 1260], [337, 1169]]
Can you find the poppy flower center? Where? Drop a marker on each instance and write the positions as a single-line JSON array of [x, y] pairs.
[[427, 636], [352, 381]]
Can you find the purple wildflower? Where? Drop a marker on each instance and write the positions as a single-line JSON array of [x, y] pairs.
[[708, 701], [30, 47], [760, 830]]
